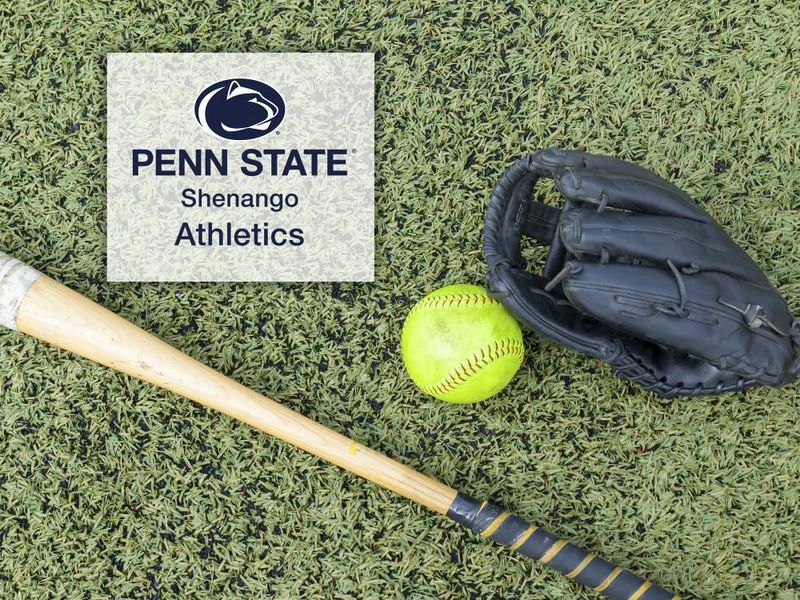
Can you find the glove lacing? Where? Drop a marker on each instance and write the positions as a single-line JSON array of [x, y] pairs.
[[671, 308]]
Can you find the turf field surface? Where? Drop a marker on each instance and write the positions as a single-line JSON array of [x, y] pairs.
[[110, 488]]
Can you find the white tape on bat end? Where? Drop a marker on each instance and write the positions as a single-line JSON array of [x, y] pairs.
[[16, 279]]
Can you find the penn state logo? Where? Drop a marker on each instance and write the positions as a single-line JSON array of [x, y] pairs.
[[239, 109]]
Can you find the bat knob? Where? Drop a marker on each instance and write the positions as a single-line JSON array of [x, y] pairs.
[[16, 279]]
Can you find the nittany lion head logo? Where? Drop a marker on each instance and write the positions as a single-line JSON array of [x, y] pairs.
[[239, 109]]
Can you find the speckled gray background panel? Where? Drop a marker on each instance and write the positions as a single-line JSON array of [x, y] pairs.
[[329, 105]]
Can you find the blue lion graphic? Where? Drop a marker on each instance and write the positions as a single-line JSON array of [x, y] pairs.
[[239, 109]]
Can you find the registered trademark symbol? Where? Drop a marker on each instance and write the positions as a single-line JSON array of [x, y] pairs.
[[353, 150]]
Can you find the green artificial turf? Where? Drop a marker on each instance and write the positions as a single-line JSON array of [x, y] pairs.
[[111, 488]]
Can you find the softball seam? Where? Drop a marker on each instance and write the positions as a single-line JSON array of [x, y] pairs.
[[470, 367], [450, 300]]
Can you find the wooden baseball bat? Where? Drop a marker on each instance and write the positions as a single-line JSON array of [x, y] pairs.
[[38, 306]]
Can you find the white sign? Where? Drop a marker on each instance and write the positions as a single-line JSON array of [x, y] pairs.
[[240, 167]]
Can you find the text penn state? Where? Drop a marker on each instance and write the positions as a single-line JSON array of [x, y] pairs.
[[272, 162]]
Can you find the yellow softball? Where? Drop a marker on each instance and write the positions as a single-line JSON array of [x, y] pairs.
[[461, 345]]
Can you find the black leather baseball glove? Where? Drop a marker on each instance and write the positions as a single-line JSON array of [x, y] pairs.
[[639, 276]]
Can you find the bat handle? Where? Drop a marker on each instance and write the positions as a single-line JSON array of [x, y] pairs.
[[491, 521]]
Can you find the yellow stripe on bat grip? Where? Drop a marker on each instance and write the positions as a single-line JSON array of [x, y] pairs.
[[494, 525], [587, 569], [552, 552], [523, 538], [642, 589], [581, 566], [609, 580]]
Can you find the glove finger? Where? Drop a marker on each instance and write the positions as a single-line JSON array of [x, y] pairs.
[[611, 164], [546, 161], [709, 318], [636, 190], [615, 234]]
